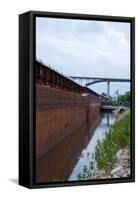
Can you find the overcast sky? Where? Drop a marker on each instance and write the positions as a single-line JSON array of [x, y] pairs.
[[86, 48]]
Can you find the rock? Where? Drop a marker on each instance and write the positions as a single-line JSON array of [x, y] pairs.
[[119, 153], [120, 169], [100, 174], [122, 166], [115, 176], [115, 170], [123, 154]]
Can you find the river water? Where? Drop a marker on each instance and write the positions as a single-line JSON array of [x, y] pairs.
[[87, 158]]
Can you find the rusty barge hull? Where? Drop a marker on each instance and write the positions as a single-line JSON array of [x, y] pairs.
[[63, 125], [65, 121]]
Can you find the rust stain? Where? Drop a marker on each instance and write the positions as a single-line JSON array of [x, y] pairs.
[[65, 121], [61, 133]]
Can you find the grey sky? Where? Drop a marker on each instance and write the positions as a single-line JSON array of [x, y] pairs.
[[86, 48]]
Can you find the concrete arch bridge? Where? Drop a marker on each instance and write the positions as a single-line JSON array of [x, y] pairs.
[[93, 80]]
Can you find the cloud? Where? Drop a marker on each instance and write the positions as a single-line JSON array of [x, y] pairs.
[[85, 48]]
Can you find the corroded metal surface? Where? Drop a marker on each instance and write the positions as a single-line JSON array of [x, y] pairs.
[[66, 116], [60, 124]]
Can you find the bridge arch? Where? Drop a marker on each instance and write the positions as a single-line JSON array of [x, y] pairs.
[[94, 80]]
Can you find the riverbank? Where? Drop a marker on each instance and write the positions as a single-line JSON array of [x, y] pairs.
[[113, 153], [120, 169]]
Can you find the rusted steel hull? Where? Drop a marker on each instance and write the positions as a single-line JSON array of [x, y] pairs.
[[64, 124]]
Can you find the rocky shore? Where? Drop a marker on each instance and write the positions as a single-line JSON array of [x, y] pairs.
[[120, 169]]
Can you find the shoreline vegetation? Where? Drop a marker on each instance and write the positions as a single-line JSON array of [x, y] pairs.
[[112, 154], [117, 137]]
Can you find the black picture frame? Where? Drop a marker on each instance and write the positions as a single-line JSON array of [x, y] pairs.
[[27, 97]]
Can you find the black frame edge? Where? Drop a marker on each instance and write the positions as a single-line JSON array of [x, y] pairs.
[[81, 16], [133, 98], [24, 96]]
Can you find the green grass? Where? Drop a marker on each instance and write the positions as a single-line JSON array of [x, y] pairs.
[[116, 138]]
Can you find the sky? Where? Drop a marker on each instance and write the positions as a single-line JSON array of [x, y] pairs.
[[86, 48]]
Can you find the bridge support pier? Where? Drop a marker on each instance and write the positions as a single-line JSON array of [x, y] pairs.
[[108, 89]]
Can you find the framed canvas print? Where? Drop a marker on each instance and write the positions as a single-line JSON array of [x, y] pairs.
[[76, 99]]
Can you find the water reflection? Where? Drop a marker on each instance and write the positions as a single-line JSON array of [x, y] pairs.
[[87, 158]]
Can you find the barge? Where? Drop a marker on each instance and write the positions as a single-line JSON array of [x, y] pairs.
[[66, 116]]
